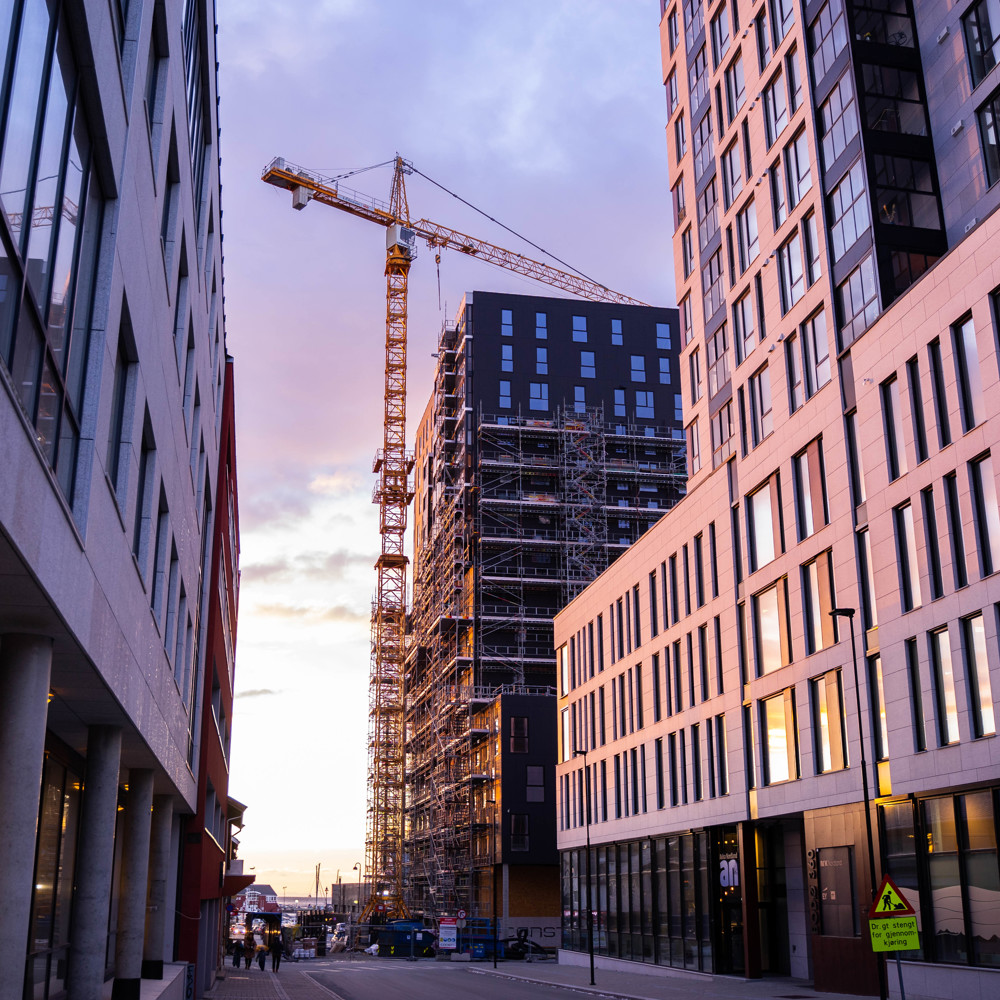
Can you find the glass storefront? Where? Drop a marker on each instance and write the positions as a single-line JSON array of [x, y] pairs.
[[654, 901]]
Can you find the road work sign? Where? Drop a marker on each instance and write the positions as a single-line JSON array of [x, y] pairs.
[[892, 922], [447, 933]]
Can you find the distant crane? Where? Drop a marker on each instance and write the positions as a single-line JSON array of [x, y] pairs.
[[384, 834]]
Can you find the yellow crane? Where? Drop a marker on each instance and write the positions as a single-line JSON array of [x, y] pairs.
[[384, 833]]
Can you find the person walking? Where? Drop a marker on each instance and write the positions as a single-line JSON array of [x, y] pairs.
[[237, 953], [261, 956], [276, 949], [247, 953]]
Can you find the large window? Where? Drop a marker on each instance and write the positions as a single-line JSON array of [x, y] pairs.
[[838, 120], [906, 558], [744, 331], [857, 302], [718, 360], [946, 701], [48, 277], [818, 600], [761, 419], [829, 725], [849, 213], [708, 215], [904, 192], [711, 281], [984, 504], [775, 108], [770, 623], [892, 426], [746, 228], [790, 272], [538, 396], [797, 173], [982, 37], [779, 737], [977, 670], [703, 144], [698, 77], [763, 537], [893, 102], [736, 92], [828, 34], [815, 353], [732, 173], [810, 489], [970, 386]]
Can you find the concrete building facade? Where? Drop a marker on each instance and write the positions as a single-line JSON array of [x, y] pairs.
[[112, 365], [549, 445], [833, 166]]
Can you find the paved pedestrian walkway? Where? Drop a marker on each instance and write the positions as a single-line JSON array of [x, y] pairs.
[[294, 982]]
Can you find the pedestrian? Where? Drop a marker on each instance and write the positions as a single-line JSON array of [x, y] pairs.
[[247, 953], [261, 956], [237, 953], [276, 949]]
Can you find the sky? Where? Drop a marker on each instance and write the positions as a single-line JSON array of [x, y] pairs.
[[548, 115]]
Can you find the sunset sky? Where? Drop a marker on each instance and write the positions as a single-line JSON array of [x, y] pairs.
[[548, 115]]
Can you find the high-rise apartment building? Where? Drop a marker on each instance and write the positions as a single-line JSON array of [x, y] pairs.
[[551, 442], [834, 168], [119, 532]]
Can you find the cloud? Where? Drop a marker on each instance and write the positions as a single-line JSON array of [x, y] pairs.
[[255, 693], [290, 612], [328, 567]]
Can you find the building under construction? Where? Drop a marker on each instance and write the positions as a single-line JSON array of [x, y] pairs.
[[551, 442]]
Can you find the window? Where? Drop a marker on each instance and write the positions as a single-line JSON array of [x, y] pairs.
[[711, 283], [797, 173], [858, 489], [817, 601], [663, 336], [828, 34], [744, 332], [684, 308], [580, 329], [698, 77], [857, 302], [838, 120], [723, 438], [718, 361], [794, 80], [673, 34], [519, 734], [814, 249], [746, 228], [916, 695], [970, 388], [534, 783], [721, 36], [672, 97], [944, 687], [904, 192], [810, 489], [687, 252], [693, 448], [892, 101], [984, 503], [616, 332], [519, 840], [892, 423], [981, 24], [956, 531], [541, 326], [763, 40], [638, 368], [989, 121], [541, 361], [118, 429], [736, 91], [761, 528], [906, 557], [978, 672], [779, 207], [587, 369], [849, 215], [664, 371], [579, 399], [732, 173], [793, 366], [782, 18], [643, 405], [142, 523], [538, 396], [708, 215], [931, 542], [680, 137], [777, 723], [506, 357], [775, 108], [694, 371], [761, 422], [703, 145], [790, 273], [506, 323], [770, 629], [504, 403], [829, 727]]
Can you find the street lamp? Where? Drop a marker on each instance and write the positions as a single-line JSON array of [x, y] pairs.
[[493, 802], [849, 613], [357, 868], [590, 907]]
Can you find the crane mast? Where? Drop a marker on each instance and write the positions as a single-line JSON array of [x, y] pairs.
[[386, 765]]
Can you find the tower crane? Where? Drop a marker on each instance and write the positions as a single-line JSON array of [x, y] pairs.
[[384, 833]]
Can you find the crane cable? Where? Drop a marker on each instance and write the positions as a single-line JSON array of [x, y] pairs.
[[513, 232]]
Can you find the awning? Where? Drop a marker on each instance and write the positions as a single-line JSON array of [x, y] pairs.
[[233, 885]]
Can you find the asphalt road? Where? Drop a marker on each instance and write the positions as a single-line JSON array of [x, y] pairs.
[[396, 979]]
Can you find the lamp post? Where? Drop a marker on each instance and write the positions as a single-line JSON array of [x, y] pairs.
[[590, 906], [357, 868], [849, 613], [493, 866]]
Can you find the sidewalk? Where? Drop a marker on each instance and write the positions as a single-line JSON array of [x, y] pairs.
[[293, 982]]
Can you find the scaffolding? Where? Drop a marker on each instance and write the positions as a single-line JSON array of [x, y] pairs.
[[520, 514]]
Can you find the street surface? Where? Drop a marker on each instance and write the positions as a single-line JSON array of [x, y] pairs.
[[361, 977]]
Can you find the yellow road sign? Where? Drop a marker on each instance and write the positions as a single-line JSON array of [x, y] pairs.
[[894, 933]]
